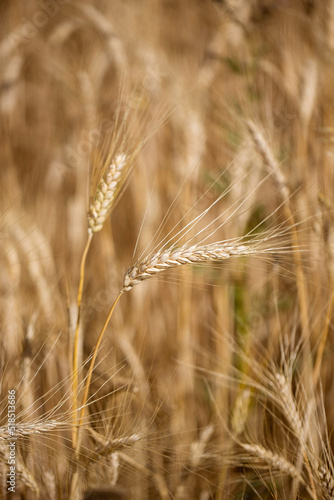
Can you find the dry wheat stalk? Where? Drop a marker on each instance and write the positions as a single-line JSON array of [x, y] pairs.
[[105, 193], [174, 257]]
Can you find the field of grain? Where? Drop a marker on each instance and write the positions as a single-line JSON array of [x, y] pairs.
[[166, 249]]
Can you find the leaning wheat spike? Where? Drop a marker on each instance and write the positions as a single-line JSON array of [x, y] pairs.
[[32, 428], [174, 257], [273, 459], [326, 481], [113, 445], [105, 193]]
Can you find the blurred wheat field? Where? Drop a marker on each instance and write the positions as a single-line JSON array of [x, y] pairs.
[[192, 143]]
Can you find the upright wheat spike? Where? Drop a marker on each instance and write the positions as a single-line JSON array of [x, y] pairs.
[[105, 194], [299, 428], [289, 405], [100, 207]]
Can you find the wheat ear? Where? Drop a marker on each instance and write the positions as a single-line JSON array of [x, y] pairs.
[[22, 471], [105, 193], [326, 481], [174, 257], [289, 405], [293, 416], [273, 459]]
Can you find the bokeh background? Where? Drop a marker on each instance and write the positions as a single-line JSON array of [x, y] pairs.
[[187, 384]]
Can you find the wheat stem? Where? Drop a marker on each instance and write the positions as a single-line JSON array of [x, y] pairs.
[[90, 372], [76, 338]]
